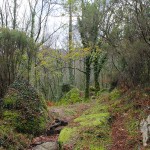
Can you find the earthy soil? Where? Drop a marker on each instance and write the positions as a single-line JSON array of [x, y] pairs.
[[119, 134]]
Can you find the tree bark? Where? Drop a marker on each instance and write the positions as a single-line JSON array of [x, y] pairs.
[[96, 75], [88, 73], [71, 75], [14, 14]]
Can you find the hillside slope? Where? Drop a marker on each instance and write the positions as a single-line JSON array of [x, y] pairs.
[[112, 122]]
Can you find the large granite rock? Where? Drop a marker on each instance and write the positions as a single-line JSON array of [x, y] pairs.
[[47, 146]]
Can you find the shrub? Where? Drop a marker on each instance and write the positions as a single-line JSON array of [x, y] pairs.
[[73, 96], [66, 134]]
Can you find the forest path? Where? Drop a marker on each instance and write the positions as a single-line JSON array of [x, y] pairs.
[[119, 133], [64, 113], [68, 112]]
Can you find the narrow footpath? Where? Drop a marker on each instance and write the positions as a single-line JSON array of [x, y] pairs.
[[62, 116]]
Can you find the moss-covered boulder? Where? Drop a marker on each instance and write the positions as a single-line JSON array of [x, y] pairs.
[[66, 134], [24, 109]]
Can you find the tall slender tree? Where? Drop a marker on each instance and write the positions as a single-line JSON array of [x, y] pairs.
[[71, 75]]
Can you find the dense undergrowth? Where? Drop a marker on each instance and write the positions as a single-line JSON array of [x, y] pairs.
[[24, 115]]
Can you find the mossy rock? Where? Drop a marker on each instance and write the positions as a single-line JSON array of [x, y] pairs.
[[24, 108], [66, 134]]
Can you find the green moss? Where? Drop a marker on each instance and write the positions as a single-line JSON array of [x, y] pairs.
[[93, 147], [73, 96], [115, 94], [97, 108], [4, 129], [10, 100], [93, 119], [11, 117], [66, 134], [93, 138]]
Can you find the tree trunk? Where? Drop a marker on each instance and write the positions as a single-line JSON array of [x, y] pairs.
[[96, 75], [97, 69], [88, 72], [14, 14], [71, 75]]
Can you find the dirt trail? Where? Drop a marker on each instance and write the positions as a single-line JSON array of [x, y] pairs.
[[119, 134], [65, 113], [68, 113], [120, 137]]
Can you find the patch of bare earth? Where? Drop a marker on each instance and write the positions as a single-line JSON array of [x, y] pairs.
[[120, 138]]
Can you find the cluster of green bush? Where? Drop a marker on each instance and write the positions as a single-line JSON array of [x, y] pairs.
[[73, 96]]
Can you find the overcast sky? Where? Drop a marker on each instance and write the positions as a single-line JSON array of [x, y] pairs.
[[56, 19]]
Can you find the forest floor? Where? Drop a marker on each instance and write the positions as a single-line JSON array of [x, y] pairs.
[[131, 108], [66, 113], [109, 122]]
